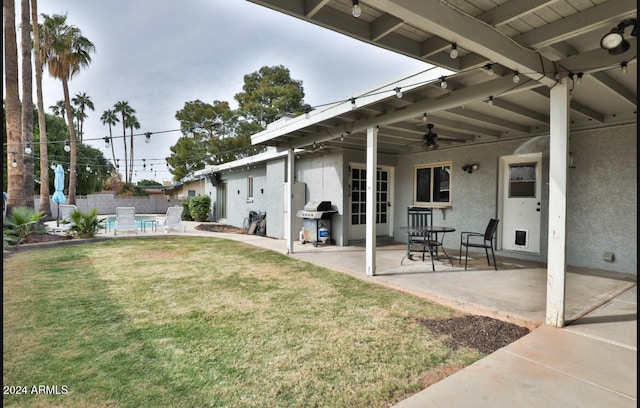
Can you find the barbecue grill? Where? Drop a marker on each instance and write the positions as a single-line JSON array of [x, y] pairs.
[[316, 222]]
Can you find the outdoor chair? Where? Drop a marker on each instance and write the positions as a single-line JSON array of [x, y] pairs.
[[173, 219], [419, 242], [480, 240], [125, 220]]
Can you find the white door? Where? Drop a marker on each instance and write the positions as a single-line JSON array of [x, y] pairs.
[[358, 198], [521, 194]]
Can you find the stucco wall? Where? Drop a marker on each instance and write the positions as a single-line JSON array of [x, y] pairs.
[[601, 203], [106, 203]]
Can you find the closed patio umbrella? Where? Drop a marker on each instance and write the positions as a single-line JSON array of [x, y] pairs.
[[58, 184]]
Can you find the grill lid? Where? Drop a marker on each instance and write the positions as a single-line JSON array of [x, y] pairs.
[[318, 206]]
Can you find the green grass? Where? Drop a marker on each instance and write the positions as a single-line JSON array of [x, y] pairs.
[[199, 322]]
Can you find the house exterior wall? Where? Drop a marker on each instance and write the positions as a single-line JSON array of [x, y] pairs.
[[601, 205], [602, 193]]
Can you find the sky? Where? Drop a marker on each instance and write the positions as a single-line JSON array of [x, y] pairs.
[[159, 54]]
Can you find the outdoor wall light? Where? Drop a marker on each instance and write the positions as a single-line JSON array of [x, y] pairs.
[[614, 41], [469, 168], [356, 11]]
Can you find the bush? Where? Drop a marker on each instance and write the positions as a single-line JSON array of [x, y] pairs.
[[22, 222], [199, 207], [186, 213], [85, 225]]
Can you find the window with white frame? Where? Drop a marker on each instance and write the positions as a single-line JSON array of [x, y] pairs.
[[250, 188], [432, 185]]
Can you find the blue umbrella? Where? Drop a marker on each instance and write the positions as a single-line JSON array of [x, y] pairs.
[[58, 184]]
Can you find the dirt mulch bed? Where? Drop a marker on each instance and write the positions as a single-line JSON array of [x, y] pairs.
[[215, 227], [40, 238], [478, 332]]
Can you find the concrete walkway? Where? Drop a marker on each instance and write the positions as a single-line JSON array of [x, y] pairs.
[[592, 362]]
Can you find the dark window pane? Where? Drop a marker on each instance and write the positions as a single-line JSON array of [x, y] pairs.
[[384, 197], [356, 173], [355, 219], [423, 185], [384, 175], [355, 207], [383, 218]]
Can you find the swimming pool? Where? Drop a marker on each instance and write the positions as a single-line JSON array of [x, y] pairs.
[[110, 222]]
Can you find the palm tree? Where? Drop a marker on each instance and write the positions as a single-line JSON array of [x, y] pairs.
[[58, 108], [27, 102], [15, 175], [126, 110], [82, 102], [132, 123], [110, 118], [68, 51], [45, 201]]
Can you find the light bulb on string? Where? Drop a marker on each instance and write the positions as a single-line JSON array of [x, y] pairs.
[[27, 148], [107, 142], [356, 10], [67, 146], [147, 137]]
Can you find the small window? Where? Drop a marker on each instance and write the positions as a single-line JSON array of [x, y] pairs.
[[191, 193], [522, 180], [432, 185], [250, 188]]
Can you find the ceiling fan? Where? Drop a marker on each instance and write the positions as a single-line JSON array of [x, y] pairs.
[[430, 137]]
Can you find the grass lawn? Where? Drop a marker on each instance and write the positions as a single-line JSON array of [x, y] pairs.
[[199, 322]]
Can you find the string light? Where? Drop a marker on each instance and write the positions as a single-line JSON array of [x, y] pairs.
[[147, 137], [353, 103], [491, 100], [454, 51], [398, 92], [623, 66], [107, 142], [443, 83], [489, 68], [424, 117], [27, 148], [67, 147], [356, 10], [14, 163], [516, 77]]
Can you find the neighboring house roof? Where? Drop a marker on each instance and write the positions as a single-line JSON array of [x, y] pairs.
[[270, 154]]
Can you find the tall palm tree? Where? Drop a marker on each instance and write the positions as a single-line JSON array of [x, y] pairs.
[[27, 101], [125, 110], [68, 51], [45, 200], [132, 123], [83, 102], [58, 108], [110, 118], [15, 175]]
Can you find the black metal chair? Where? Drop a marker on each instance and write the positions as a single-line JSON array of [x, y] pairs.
[[420, 243], [480, 240]]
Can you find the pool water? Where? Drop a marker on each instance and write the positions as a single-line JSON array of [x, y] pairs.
[[110, 222]]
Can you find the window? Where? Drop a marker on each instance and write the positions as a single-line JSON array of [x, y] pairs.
[[191, 193], [432, 185], [522, 180], [250, 189]]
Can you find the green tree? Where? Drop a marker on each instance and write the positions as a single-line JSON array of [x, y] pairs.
[[58, 109], [27, 102], [110, 118], [269, 93], [13, 131], [132, 123], [125, 110], [148, 183], [82, 101], [45, 199], [68, 52]]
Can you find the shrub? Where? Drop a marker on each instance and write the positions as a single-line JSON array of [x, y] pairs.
[[22, 222], [186, 213], [85, 225], [199, 207]]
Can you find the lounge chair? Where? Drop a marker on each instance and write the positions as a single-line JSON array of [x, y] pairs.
[[173, 219], [64, 214], [125, 220]]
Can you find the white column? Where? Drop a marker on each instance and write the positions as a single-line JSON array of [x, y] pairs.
[[558, 154], [289, 233], [372, 165]]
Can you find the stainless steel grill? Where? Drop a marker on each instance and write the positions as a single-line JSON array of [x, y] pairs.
[[316, 224]]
